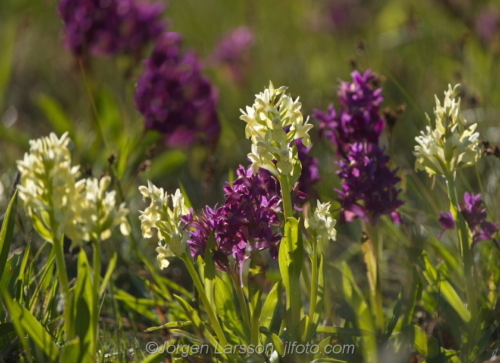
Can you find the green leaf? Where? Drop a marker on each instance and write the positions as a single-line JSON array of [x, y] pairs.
[[171, 325], [226, 308], [71, 351], [395, 316], [55, 114], [319, 299], [277, 342], [198, 325], [190, 312], [22, 278], [166, 163], [7, 232], [185, 194], [26, 323], [41, 229], [208, 266], [361, 315], [290, 263], [155, 358], [445, 288], [84, 310], [270, 305], [107, 276], [417, 338]]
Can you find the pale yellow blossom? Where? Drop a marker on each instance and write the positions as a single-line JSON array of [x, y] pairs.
[[449, 145], [166, 220]]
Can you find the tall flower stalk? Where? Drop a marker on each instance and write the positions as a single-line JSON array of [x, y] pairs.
[[273, 122], [368, 183], [442, 150]]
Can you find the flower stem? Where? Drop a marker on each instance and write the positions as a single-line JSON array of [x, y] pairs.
[[241, 297], [96, 286], [465, 246], [372, 251], [285, 195], [208, 307], [64, 283], [314, 290]]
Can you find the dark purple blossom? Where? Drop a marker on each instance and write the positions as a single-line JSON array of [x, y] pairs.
[[359, 118], [175, 98], [368, 184], [108, 27], [246, 222], [446, 221], [475, 215]]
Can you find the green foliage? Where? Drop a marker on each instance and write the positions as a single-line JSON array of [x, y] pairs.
[[7, 232]]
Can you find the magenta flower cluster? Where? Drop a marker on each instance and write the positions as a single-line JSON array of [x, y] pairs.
[[108, 27], [175, 98], [246, 222], [368, 183], [475, 215]]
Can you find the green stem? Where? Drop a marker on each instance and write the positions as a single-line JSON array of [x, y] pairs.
[[96, 286], [465, 246], [285, 195], [208, 307], [254, 294], [241, 298], [64, 283], [372, 253], [314, 290]]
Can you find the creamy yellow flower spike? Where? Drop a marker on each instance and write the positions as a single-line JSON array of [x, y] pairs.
[[272, 112], [52, 196], [166, 220], [450, 145], [99, 213], [48, 186], [322, 223]]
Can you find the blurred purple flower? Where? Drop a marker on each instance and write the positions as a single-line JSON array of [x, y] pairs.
[[108, 27], [368, 184], [243, 224], [488, 23], [233, 46], [359, 118], [345, 15], [475, 216], [233, 51], [446, 221], [175, 98]]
